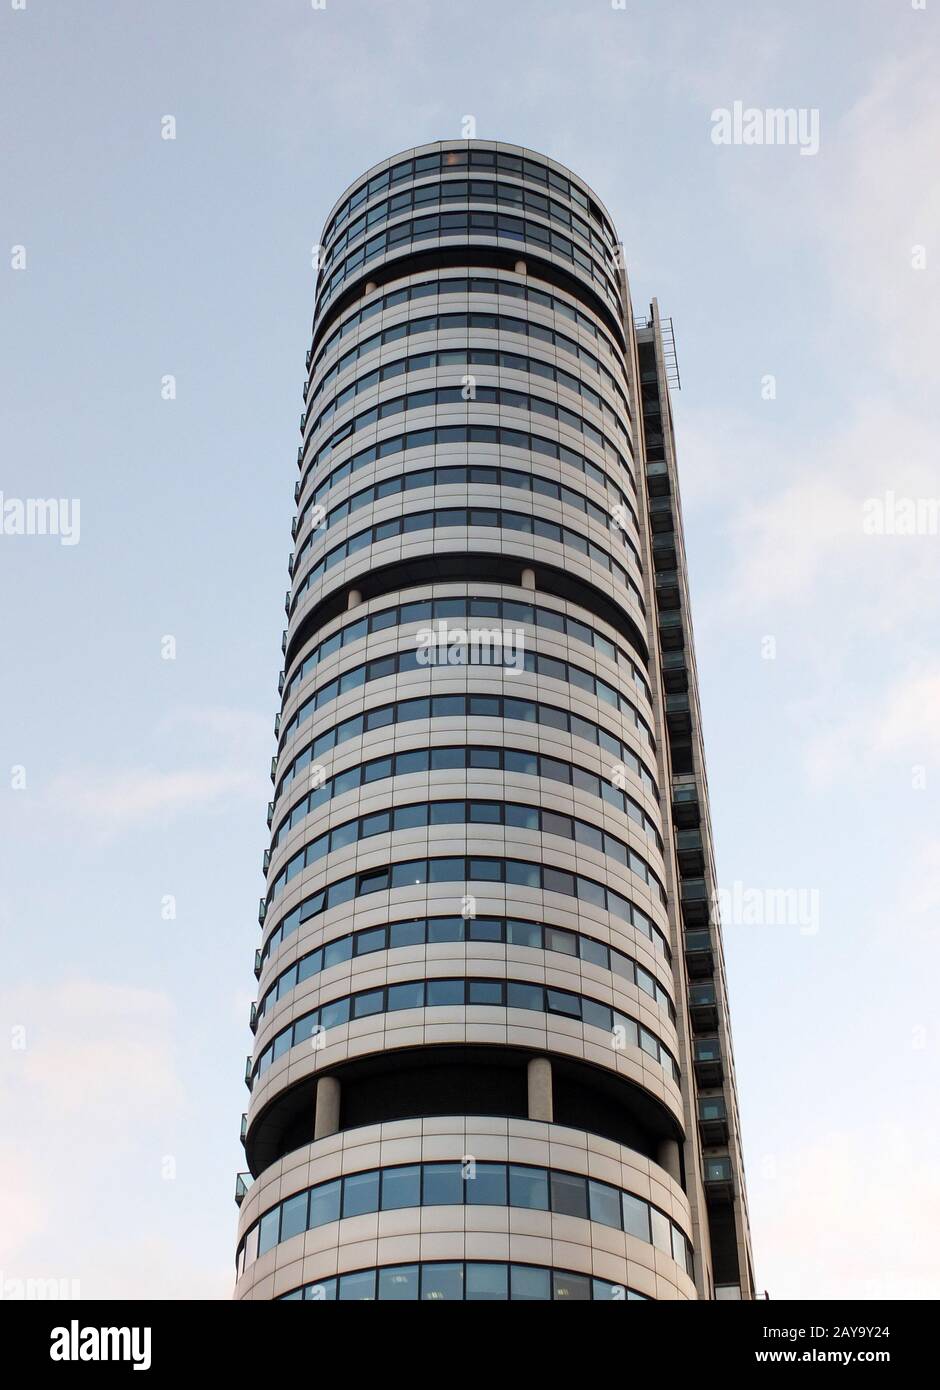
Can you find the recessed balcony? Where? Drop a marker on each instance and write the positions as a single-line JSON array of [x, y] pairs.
[[678, 714], [657, 478], [719, 1180], [691, 852], [703, 1006], [706, 1055], [713, 1120], [686, 810], [693, 893], [699, 954]]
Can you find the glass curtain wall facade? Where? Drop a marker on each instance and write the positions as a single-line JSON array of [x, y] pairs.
[[491, 1053]]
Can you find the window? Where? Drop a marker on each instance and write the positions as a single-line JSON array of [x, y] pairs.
[[528, 1282], [569, 1195], [605, 1204], [486, 992], [445, 992], [572, 1288], [268, 1230], [528, 1187], [357, 1288], [487, 1282], [662, 1234], [445, 929], [443, 1184], [325, 1203], [398, 1282], [361, 1193], [371, 1003], [442, 1282], [410, 996], [636, 1217], [522, 996], [487, 1185], [401, 1187], [294, 1216]]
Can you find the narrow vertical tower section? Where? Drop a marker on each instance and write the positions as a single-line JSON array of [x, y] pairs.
[[481, 1034]]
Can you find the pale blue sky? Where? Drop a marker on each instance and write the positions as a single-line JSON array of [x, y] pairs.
[[147, 777]]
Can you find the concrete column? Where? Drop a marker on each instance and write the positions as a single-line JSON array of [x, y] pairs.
[[327, 1114], [539, 1076], [353, 599], [667, 1156], [370, 287], [520, 268], [528, 579]]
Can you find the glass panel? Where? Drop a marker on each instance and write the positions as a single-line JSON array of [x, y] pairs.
[[361, 1193], [487, 1282], [519, 933], [357, 1288], [527, 1282], [398, 1282], [409, 996], [528, 1187], [573, 1288], [569, 1194], [441, 993], [636, 1216], [486, 1186], [443, 1185], [325, 1203], [662, 1235], [401, 1187], [442, 1282], [268, 1230], [605, 1204], [294, 1215]]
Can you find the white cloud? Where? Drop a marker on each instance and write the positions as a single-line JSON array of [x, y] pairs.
[[110, 800], [900, 725], [90, 1046], [846, 1217], [122, 796], [23, 1208]]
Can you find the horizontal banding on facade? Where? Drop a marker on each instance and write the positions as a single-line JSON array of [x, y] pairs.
[[472, 938], [437, 1231]]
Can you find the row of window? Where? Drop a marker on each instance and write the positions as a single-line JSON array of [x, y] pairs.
[[465, 285], [492, 518], [465, 225], [474, 1280], [501, 436], [475, 476], [453, 395], [459, 993], [458, 359], [465, 1184], [462, 610], [443, 323], [464, 757], [513, 815], [435, 931], [460, 706], [449, 161], [483, 192], [536, 663], [463, 869]]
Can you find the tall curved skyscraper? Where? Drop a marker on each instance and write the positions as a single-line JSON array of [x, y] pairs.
[[491, 1046]]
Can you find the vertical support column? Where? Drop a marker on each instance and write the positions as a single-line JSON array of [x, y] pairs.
[[539, 1077], [326, 1121]]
